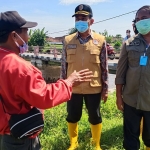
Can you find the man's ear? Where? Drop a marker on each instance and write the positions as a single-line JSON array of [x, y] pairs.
[[91, 21], [13, 35]]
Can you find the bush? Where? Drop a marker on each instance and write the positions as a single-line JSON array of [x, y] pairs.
[[117, 45], [109, 39], [37, 37]]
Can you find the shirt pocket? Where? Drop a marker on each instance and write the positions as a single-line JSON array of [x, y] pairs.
[[134, 57], [71, 55], [95, 82], [94, 56]]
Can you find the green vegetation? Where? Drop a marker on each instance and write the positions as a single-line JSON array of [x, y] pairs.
[[72, 30], [37, 37], [47, 48], [55, 135], [51, 63], [109, 39], [117, 45], [57, 46], [115, 41], [51, 47]]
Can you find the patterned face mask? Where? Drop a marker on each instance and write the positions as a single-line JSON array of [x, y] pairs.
[[24, 47]]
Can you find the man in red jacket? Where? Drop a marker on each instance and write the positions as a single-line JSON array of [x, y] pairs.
[[21, 84]]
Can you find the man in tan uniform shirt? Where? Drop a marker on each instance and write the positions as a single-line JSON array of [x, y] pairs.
[[85, 49]]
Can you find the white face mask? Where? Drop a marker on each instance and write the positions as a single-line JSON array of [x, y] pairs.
[[128, 34], [24, 47]]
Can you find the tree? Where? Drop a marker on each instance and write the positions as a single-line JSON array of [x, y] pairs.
[[118, 36], [105, 33], [37, 37], [72, 30], [109, 39]]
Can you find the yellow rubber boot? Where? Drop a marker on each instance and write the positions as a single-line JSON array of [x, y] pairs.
[[96, 135], [73, 135]]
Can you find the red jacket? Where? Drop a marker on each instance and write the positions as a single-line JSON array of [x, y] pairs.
[[22, 87]]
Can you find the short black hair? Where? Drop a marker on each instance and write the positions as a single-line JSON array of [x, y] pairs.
[[4, 37], [128, 31], [146, 7], [90, 17]]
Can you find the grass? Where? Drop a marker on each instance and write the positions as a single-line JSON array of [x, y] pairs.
[[55, 135], [57, 46], [47, 47]]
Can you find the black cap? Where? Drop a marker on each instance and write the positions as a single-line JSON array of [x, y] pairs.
[[11, 20], [84, 10]]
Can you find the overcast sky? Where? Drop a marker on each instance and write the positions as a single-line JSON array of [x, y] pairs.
[[55, 15]]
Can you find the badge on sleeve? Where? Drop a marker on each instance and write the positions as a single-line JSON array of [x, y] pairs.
[[95, 41], [143, 60]]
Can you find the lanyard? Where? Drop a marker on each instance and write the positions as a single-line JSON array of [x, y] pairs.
[[146, 49]]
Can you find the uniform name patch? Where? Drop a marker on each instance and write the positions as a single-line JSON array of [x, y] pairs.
[[135, 43], [71, 46]]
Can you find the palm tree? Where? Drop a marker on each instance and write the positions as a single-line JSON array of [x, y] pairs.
[[37, 37]]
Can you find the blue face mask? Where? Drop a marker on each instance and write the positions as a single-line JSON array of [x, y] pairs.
[[81, 26], [24, 47], [143, 26]]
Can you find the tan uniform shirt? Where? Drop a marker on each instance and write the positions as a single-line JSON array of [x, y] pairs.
[[134, 77]]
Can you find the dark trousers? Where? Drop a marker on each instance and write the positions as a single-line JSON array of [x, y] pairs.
[[0, 142], [8, 142], [92, 102], [132, 119]]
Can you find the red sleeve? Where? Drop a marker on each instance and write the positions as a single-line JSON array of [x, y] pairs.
[[3, 120], [34, 90]]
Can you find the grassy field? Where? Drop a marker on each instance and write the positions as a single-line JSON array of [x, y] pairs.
[[55, 135], [46, 48], [56, 45]]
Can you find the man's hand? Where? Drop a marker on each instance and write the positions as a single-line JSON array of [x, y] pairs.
[[119, 100], [119, 103], [104, 96], [77, 78]]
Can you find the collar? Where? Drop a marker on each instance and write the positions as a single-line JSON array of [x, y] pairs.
[[6, 50], [91, 34], [140, 36]]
